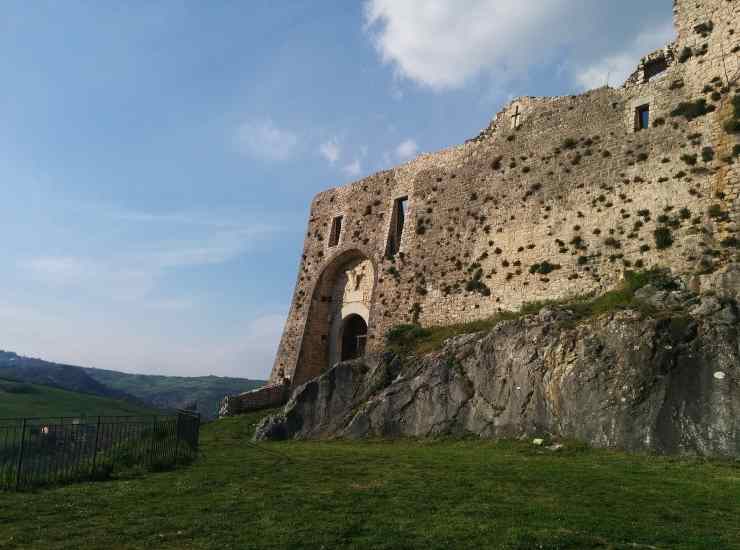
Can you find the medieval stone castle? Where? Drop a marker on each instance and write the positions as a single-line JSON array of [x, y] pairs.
[[555, 198]]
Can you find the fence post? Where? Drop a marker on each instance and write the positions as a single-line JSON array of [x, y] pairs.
[[95, 450], [151, 451], [20, 456], [177, 438]]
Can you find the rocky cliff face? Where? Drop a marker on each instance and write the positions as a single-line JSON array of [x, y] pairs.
[[665, 383]]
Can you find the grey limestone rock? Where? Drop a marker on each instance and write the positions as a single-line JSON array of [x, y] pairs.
[[622, 380]]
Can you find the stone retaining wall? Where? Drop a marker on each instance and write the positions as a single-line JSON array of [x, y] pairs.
[[266, 397]]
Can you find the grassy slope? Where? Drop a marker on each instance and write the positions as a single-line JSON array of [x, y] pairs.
[[402, 494], [176, 391], [20, 399]]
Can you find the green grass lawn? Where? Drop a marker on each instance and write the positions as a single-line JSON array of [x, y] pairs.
[[383, 494], [25, 400]]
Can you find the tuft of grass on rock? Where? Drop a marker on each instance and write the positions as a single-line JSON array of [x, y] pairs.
[[410, 339]]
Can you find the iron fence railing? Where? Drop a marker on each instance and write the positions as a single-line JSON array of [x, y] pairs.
[[43, 451]]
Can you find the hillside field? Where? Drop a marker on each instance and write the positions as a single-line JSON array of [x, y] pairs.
[[389, 494], [19, 399], [155, 391], [176, 391]]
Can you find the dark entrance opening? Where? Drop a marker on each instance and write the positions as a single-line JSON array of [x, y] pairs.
[[354, 336]]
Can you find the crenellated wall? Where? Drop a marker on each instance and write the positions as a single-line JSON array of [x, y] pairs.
[[556, 198]]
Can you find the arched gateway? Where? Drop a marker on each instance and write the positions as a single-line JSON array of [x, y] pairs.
[[339, 317]]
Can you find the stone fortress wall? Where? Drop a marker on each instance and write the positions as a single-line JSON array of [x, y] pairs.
[[556, 198]]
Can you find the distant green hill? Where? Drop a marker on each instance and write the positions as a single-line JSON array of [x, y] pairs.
[[21, 399], [67, 377], [161, 392], [176, 391]]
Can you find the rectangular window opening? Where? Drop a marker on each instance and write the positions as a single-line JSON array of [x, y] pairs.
[[642, 118], [336, 231], [398, 217]]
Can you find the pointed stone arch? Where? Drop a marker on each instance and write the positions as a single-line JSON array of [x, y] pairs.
[[343, 292]]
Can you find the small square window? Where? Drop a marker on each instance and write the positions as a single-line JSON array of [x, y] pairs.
[[336, 231], [642, 118]]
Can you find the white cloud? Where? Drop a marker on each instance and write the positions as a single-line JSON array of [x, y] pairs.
[[133, 274], [406, 150], [214, 248], [263, 139], [121, 282], [616, 67], [612, 70], [60, 270], [171, 304], [443, 43], [330, 150], [353, 168]]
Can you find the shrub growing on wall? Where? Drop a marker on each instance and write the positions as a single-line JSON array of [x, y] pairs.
[[663, 238], [732, 124], [543, 268], [692, 109]]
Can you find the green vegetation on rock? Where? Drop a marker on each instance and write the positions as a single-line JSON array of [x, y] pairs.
[[414, 339], [692, 109]]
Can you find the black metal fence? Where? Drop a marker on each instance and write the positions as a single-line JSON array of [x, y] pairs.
[[43, 451]]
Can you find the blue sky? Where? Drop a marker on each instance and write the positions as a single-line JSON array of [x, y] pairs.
[[157, 158]]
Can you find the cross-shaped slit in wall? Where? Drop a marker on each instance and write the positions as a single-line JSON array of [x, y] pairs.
[[515, 118]]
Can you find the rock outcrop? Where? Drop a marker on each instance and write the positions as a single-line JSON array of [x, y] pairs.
[[663, 383]]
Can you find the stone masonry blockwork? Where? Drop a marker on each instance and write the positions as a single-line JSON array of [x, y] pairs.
[[555, 202]]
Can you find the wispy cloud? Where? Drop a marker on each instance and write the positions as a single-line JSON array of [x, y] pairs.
[[119, 281], [617, 66], [214, 248], [255, 350], [264, 140], [180, 218], [133, 271], [173, 304], [353, 169], [406, 150], [330, 150]]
